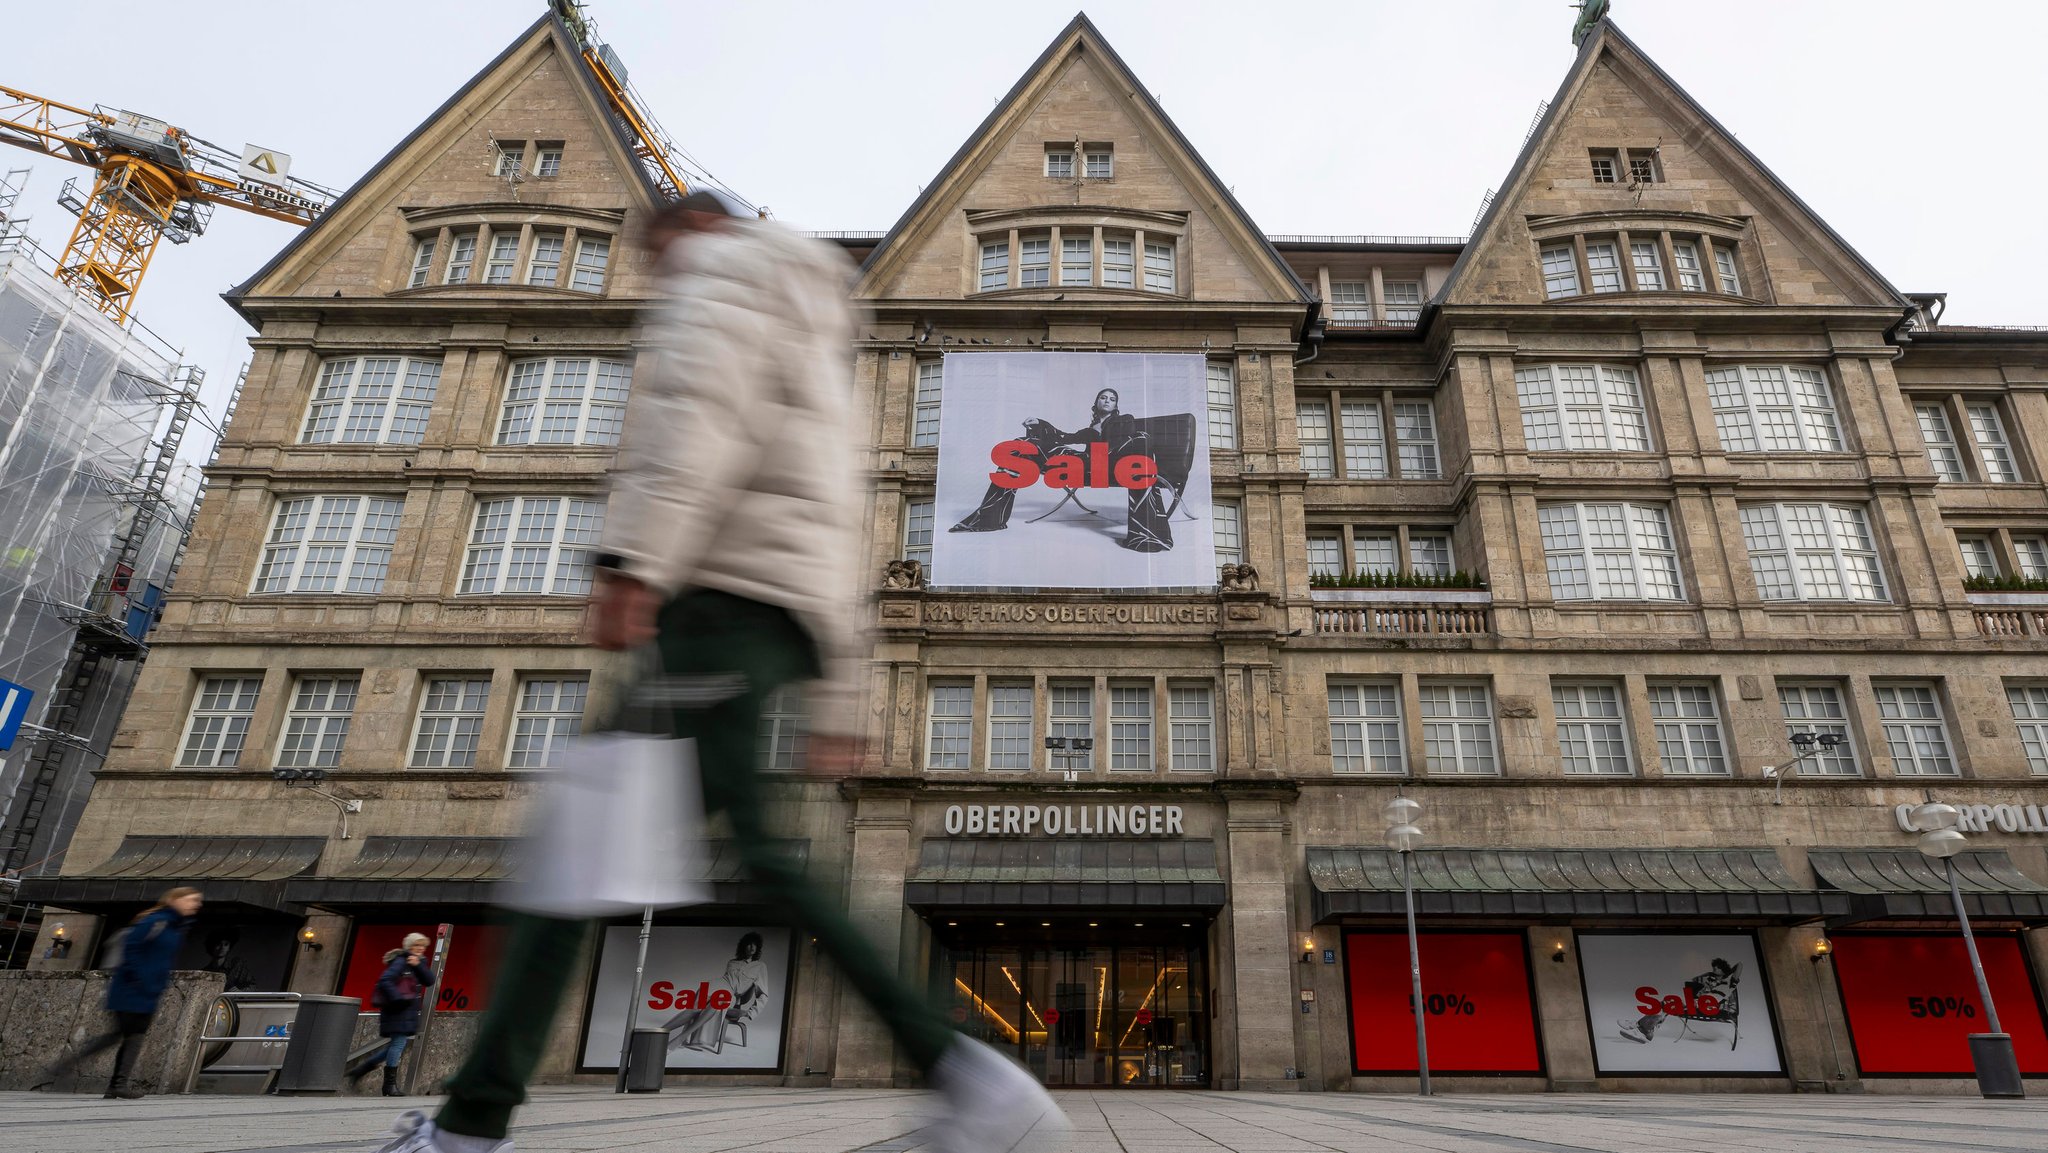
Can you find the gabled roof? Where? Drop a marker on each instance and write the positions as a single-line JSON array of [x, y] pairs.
[[549, 24], [1607, 38], [1083, 29]]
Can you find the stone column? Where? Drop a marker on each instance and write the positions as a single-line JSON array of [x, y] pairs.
[[319, 970], [1263, 997], [1561, 1010], [1811, 1031], [865, 1058]]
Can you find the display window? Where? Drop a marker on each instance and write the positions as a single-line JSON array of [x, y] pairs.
[[1911, 1002], [1678, 1003], [467, 973], [721, 992], [1478, 1005]]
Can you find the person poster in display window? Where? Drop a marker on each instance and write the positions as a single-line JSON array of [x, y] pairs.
[[1678, 1003], [721, 992]]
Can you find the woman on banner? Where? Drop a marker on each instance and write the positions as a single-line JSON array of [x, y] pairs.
[[704, 1027], [1146, 527]]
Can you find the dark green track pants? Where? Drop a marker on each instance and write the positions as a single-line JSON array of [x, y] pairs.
[[703, 634]]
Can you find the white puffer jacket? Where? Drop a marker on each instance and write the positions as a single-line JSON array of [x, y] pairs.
[[737, 472]]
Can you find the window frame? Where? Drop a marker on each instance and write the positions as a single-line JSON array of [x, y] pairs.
[[1119, 262], [2028, 701], [547, 160], [530, 407], [242, 687], [498, 258], [1984, 564], [1398, 306], [1944, 453], [1587, 721], [462, 252], [1588, 554], [1679, 729], [1909, 730], [927, 384], [1232, 511], [785, 729], [1129, 725], [1567, 415], [1560, 280], [1387, 693], [1059, 724], [561, 572], [1098, 161], [1457, 725], [339, 403], [1221, 383], [1002, 691], [356, 558], [1034, 261], [912, 518], [450, 744], [1844, 724], [1608, 272], [1351, 304], [557, 725], [1190, 727], [995, 263], [1997, 463], [329, 724], [1790, 553], [1426, 468], [1797, 411], [510, 160], [1161, 277], [1081, 273], [422, 260], [546, 243], [593, 264], [1059, 162]]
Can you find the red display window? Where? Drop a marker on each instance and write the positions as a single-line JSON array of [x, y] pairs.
[[1480, 1011], [1911, 1002], [466, 978]]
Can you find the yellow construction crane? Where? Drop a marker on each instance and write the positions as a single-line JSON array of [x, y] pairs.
[[657, 153], [152, 182]]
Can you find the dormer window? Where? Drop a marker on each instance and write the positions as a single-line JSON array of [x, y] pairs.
[[1059, 162], [511, 158], [1099, 161], [461, 258], [1634, 165], [1034, 262], [1047, 249], [995, 266], [1117, 268], [1645, 256]]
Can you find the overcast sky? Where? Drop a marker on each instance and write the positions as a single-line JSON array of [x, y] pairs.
[[1908, 126]]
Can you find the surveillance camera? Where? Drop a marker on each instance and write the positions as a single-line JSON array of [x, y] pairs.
[[284, 774]]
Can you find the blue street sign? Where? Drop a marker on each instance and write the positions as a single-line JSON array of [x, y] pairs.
[[14, 701]]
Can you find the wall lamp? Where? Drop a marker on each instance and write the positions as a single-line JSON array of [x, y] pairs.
[[1821, 949], [1557, 952], [60, 942], [309, 939], [1308, 951]]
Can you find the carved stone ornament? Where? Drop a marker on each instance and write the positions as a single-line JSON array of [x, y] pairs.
[[1239, 578], [903, 574]]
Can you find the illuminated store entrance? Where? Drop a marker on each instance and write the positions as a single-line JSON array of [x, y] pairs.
[[1083, 1003]]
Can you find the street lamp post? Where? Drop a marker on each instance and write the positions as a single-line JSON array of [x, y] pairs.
[[1991, 1054], [1404, 837]]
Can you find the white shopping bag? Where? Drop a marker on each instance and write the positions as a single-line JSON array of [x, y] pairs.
[[618, 828]]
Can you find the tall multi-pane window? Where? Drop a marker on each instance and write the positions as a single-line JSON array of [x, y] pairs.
[[995, 265], [1312, 422], [1077, 261], [1159, 268], [316, 723], [949, 740], [1070, 713], [329, 544], [2030, 716], [1818, 709], [1603, 267], [917, 532], [372, 400], [461, 258], [544, 267], [1993, 450], [1910, 716], [1724, 270], [1647, 265], [1457, 727], [1429, 554], [547, 716], [1034, 262], [1609, 552], [565, 400], [1415, 439], [1941, 441], [422, 263], [1325, 554], [451, 723], [1228, 531], [1560, 272], [1590, 734], [1685, 258], [504, 255], [1009, 726], [1773, 408], [593, 256], [1582, 407], [1130, 727], [785, 729], [1687, 718], [1351, 303], [219, 728], [1812, 552], [1365, 439], [1117, 268], [1191, 725], [924, 420], [532, 546], [1403, 301], [1222, 405], [2032, 552], [1378, 551], [1979, 558], [1365, 728]]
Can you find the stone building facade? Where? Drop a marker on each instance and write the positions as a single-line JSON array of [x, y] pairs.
[[1650, 539]]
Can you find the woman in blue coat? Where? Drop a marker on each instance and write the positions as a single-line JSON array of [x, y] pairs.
[[149, 946], [401, 994]]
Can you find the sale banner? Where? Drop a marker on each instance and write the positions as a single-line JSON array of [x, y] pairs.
[[1677, 1003], [1476, 1003], [1911, 1002], [466, 977], [720, 992], [1073, 470]]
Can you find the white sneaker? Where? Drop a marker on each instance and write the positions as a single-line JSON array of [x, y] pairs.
[[992, 1103], [417, 1134], [1633, 1031]]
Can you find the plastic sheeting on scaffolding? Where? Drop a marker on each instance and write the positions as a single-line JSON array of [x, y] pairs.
[[80, 401]]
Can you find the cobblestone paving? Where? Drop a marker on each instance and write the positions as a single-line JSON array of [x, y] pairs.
[[582, 1119]]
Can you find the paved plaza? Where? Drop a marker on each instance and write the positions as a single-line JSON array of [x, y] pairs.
[[844, 1121]]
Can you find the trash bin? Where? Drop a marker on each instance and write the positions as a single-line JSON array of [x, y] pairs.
[[1998, 1069], [646, 1059], [316, 1059]]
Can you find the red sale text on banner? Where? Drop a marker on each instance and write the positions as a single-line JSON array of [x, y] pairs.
[[1475, 1001], [1911, 1002], [466, 977]]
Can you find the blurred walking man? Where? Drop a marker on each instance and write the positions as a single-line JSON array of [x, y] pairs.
[[734, 537]]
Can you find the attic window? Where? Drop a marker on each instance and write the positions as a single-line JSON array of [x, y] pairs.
[[1098, 161], [1632, 165], [1059, 162], [1642, 167], [511, 159], [547, 159], [1605, 169]]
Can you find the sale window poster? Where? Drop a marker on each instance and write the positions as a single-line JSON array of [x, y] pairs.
[[467, 972], [1678, 1003], [1476, 1003], [1073, 470], [1911, 1002], [719, 991]]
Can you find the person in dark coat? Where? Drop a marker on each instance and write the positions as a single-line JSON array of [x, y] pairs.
[[149, 946], [400, 996]]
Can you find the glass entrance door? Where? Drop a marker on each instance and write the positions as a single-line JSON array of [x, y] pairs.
[[1086, 1012]]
